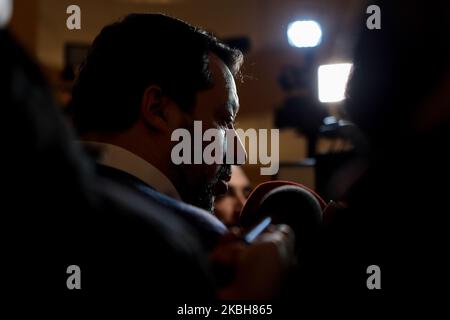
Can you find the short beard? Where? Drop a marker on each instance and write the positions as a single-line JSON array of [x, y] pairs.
[[203, 197]]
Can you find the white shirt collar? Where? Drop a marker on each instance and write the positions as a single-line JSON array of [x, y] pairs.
[[122, 159]]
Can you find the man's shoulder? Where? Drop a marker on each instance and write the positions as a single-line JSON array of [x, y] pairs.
[[209, 228]]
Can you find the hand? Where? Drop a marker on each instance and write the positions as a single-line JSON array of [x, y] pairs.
[[259, 270]]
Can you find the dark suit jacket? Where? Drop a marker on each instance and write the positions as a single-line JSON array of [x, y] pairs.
[[207, 226]]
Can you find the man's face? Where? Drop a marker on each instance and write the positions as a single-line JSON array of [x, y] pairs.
[[216, 108]]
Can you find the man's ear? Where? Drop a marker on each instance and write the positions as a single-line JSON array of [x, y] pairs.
[[153, 108]]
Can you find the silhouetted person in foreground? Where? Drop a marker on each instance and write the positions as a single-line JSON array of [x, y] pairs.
[[395, 216]]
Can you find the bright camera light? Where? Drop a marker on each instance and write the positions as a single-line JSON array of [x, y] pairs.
[[305, 33], [5, 12], [333, 81]]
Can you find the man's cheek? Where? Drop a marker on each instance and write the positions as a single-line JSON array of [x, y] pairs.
[[222, 142], [214, 146]]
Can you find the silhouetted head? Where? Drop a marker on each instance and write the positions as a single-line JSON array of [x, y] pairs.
[[397, 69]]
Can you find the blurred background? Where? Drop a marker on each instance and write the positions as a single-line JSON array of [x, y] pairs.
[[297, 60]]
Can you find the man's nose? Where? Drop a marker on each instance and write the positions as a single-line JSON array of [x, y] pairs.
[[239, 152]]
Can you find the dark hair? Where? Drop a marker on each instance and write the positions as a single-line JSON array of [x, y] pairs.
[[397, 67], [129, 55]]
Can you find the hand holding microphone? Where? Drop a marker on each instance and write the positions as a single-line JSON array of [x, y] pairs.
[[285, 202], [255, 264]]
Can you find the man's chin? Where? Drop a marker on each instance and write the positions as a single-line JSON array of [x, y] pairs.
[[209, 206], [204, 201]]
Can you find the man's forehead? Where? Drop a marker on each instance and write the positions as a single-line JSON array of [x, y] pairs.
[[223, 77], [221, 74]]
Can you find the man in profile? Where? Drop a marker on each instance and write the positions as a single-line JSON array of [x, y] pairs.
[[143, 78]]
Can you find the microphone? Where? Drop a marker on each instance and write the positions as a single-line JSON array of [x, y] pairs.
[[285, 203]]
